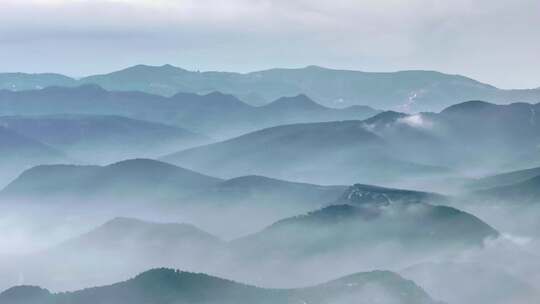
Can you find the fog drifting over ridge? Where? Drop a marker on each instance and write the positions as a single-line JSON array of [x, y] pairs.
[[436, 35]]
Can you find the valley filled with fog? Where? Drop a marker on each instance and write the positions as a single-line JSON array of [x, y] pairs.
[[159, 185]]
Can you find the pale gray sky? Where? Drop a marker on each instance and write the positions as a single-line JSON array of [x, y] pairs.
[[494, 41]]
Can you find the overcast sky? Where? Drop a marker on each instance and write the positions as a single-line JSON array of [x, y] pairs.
[[494, 41]]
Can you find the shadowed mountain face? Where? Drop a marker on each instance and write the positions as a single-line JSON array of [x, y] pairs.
[[164, 286], [347, 228], [402, 91], [94, 138], [358, 236], [342, 151], [214, 114]]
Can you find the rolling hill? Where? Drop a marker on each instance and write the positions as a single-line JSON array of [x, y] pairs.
[[141, 187], [358, 235], [165, 286], [341, 152], [134, 180]]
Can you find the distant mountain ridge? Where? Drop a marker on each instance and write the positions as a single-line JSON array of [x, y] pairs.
[[213, 114], [403, 90]]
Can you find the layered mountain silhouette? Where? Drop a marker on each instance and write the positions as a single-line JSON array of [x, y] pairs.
[[103, 139], [141, 185], [359, 235], [151, 180], [473, 137], [405, 90], [334, 152], [388, 145], [349, 228], [166, 286], [214, 114]]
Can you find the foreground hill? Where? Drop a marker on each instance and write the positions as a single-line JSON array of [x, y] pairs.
[[102, 139], [347, 228], [359, 235], [164, 286], [333, 152], [476, 282], [215, 114], [405, 90]]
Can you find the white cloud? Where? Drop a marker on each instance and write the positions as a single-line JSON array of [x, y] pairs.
[[416, 121]]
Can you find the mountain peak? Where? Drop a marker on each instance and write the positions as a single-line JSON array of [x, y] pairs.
[[298, 101], [468, 106]]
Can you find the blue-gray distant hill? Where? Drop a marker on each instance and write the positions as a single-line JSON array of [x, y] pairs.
[[103, 138], [19, 152], [404, 90], [214, 114], [470, 137], [139, 187]]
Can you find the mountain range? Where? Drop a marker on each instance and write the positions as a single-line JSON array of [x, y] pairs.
[[214, 114], [387, 146], [402, 91], [167, 286], [358, 235], [155, 187]]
